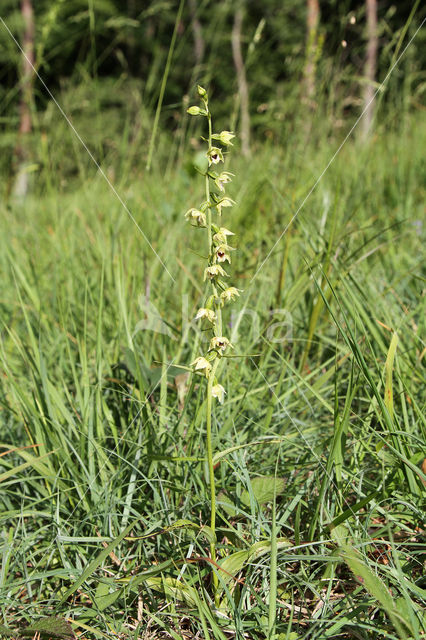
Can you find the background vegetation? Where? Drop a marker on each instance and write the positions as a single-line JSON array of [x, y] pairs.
[[320, 443]]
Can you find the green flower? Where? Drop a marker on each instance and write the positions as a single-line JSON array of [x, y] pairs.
[[224, 137], [206, 313], [220, 236], [214, 155], [196, 217], [218, 392], [225, 202], [221, 254], [230, 294], [201, 364], [223, 178], [214, 271], [219, 343]]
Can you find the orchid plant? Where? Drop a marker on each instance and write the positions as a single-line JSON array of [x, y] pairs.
[[218, 292]]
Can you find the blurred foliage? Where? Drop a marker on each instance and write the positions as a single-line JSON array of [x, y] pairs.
[[114, 37], [108, 56]]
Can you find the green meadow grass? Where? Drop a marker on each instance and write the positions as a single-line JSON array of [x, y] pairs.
[[319, 444]]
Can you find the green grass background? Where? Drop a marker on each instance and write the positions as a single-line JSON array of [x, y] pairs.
[[97, 446]]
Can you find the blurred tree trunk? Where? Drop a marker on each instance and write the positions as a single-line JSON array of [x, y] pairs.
[[312, 24], [370, 66], [241, 80], [25, 106]]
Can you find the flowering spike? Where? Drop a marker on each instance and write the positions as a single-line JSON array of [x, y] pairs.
[[217, 291]]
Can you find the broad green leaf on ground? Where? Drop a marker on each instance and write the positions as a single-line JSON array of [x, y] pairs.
[[375, 587]]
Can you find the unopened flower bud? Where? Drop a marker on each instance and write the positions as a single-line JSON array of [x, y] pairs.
[[201, 92], [195, 111]]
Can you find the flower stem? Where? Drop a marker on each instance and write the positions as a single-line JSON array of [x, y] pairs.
[[211, 476], [209, 211]]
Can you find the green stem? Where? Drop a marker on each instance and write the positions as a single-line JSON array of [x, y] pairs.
[[209, 211], [211, 476]]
